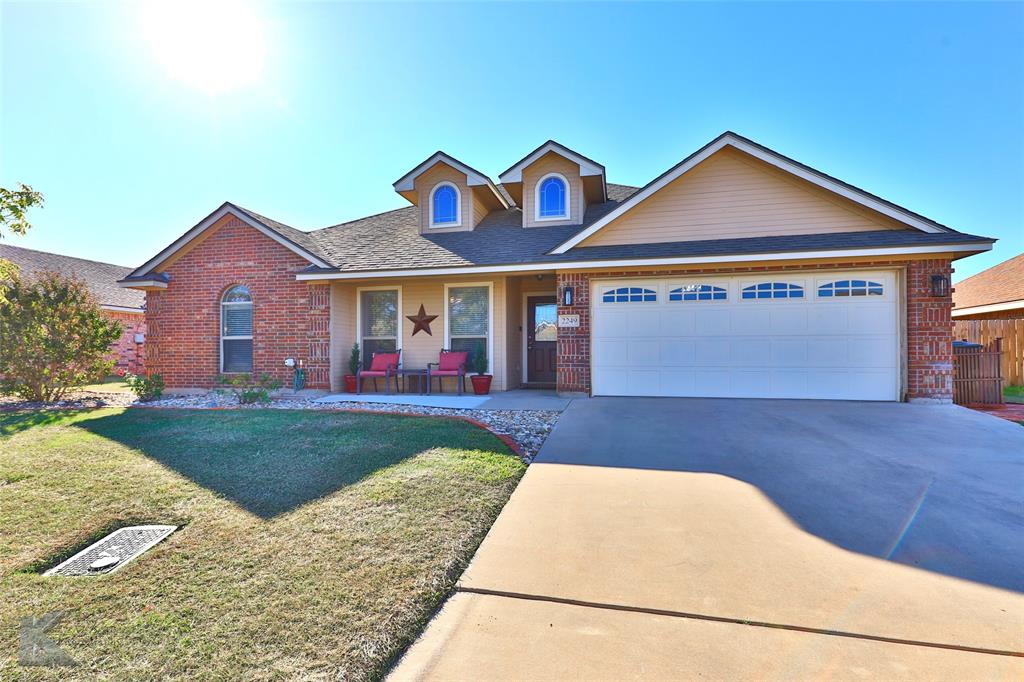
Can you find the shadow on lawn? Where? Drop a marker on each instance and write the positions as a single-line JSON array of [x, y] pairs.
[[272, 461]]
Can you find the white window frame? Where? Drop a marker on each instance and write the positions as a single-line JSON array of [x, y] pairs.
[[458, 205], [490, 320], [536, 199], [782, 278], [251, 337], [359, 321], [721, 284]]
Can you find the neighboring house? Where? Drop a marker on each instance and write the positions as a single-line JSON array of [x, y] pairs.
[[993, 294], [124, 305], [737, 272]]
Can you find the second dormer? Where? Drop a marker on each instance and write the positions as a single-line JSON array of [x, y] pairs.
[[451, 196], [554, 185]]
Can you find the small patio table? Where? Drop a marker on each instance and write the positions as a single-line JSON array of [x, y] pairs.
[[423, 374]]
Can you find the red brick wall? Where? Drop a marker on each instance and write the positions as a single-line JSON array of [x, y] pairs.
[[929, 328], [125, 352], [183, 344]]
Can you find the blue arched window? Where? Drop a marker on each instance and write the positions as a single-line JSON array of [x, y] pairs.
[[552, 197], [444, 206]]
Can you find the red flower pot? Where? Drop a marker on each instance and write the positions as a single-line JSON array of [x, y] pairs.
[[350, 383], [481, 383]]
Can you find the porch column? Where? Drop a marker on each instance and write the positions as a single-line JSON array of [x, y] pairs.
[[929, 334], [573, 359], [318, 360]]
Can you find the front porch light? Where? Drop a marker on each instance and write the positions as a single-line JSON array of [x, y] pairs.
[[566, 295], [940, 286]]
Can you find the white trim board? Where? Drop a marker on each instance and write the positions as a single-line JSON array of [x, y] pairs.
[[207, 222], [649, 262], [144, 284], [122, 309], [988, 308], [776, 160], [474, 178], [587, 167]]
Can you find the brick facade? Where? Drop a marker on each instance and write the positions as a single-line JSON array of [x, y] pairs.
[[928, 330], [290, 318], [127, 354]]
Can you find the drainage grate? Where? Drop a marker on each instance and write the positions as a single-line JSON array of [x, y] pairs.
[[112, 552]]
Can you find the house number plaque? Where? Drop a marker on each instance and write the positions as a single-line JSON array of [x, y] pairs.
[[568, 321]]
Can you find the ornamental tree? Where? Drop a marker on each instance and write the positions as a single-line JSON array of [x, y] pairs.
[[53, 336]]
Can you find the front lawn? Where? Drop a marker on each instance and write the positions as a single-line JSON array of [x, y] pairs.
[[313, 544]]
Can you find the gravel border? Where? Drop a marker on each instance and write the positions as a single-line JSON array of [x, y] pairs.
[[528, 429]]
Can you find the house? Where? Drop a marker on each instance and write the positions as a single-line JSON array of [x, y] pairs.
[[993, 294], [117, 303], [737, 272]]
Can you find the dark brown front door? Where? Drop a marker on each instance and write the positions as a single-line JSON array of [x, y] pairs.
[[541, 338]]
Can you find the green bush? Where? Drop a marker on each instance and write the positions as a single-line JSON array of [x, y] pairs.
[[248, 389], [480, 360], [353, 360], [53, 336], [145, 387]]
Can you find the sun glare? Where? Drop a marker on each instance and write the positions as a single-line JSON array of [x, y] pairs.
[[212, 45]]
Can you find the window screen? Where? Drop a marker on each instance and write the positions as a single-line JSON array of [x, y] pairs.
[[469, 319], [379, 323]]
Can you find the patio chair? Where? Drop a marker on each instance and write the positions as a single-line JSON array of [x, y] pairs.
[[383, 365], [451, 363]]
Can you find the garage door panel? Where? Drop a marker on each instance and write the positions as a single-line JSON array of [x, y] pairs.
[[712, 321], [833, 347]]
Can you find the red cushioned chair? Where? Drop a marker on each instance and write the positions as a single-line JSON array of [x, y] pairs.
[[451, 363], [382, 365]]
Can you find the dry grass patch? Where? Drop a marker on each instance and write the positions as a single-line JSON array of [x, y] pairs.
[[315, 544]]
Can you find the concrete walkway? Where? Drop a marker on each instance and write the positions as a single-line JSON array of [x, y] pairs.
[[674, 539]]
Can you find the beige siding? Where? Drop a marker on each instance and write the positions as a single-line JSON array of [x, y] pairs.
[[425, 184], [418, 350], [343, 331], [552, 163], [732, 195]]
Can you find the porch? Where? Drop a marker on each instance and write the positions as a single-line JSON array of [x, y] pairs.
[[515, 399], [511, 319]]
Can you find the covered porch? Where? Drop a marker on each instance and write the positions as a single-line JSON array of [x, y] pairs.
[[510, 319]]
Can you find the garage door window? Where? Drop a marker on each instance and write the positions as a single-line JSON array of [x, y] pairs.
[[773, 290], [630, 295], [850, 287], [697, 292]]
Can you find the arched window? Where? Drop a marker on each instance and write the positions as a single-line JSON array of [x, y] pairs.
[[773, 290], [236, 330], [630, 295], [552, 197], [444, 206]]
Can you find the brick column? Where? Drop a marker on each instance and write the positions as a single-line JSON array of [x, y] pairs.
[[929, 334], [318, 362], [573, 358]]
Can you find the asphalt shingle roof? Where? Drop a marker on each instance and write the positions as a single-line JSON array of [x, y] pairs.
[[101, 278], [999, 284]]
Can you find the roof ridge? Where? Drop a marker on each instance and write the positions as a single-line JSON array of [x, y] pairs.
[[356, 220]]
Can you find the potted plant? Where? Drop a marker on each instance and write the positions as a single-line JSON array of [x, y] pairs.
[[481, 380], [353, 368]]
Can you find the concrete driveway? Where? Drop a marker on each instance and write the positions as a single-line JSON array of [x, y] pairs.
[[678, 538]]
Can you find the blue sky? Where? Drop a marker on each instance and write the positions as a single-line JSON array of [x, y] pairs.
[[119, 114]]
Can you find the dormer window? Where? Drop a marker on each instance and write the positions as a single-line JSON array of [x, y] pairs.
[[445, 206], [552, 198]]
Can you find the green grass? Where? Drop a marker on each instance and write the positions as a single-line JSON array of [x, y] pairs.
[[1013, 394], [314, 545], [112, 384]]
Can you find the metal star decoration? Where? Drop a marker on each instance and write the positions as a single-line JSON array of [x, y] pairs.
[[421, 321]]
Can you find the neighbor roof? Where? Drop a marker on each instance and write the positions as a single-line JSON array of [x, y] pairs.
[[1001, 283], [101, 278]]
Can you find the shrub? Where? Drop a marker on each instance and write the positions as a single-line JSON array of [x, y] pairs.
[[145, 387], [53, 336], [247, 389], [353, 360], [480, 360]]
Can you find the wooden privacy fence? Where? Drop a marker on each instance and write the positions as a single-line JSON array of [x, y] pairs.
[[977, 374], [987, 331]]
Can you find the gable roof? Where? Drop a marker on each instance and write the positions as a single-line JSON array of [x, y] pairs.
[[100, 278], [1002, 283], [588, 167], [291, 238], [473, 177], [769, 156]]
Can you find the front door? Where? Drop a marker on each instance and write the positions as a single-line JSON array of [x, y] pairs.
[[541, 339]]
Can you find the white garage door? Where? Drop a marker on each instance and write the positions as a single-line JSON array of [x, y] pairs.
[[797, 335]]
